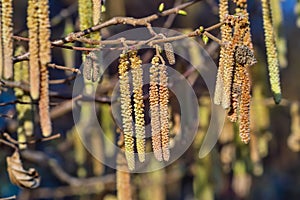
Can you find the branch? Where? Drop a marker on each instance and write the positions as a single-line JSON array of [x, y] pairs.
[[41, 158]]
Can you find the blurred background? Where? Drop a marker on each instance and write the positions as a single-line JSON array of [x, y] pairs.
[[267, 168]]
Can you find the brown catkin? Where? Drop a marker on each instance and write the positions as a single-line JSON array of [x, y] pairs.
[[123, 178], [235, 94], [244, 111], [154, 109], [137, 76], [33, 26], [45, 58], [126, 110], [96, 11], [169, 53], [164, 113], [7, 33]]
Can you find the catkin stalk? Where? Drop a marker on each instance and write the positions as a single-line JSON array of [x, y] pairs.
[[164, 112], [154, 109], [33, 28], [45, 58], [271, 49], [137, 76], [7, 33], [126, 110]]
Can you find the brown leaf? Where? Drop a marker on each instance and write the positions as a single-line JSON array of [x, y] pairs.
[[19, 176]]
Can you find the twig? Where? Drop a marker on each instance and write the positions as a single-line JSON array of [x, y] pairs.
[[54, 66], [52, 137]]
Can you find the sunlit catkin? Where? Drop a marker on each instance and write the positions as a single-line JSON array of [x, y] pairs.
[[244, 111], [7, 33], [137, 76], [33, 26], [45, 58], [271, 49], [169, 53], [164, 113], [226, 34], [123, 179], [126, 110], [154, 109], [1, 44], [96, 11], [85, 13]]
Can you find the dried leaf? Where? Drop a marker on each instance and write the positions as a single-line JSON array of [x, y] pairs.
[[19, 176]]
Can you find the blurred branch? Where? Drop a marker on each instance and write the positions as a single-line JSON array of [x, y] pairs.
[[8, 198], [41, 158]]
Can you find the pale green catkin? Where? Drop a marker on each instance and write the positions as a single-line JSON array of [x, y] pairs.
[[271, 49]]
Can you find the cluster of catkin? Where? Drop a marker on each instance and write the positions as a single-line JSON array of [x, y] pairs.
[[40, 55], [233, 81], [158, 97]]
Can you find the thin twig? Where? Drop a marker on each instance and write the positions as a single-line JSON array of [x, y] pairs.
[[52, 137], [54, 66]]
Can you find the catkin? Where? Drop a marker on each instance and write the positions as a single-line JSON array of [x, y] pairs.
[[7, 33], [126, 110], [45, 58], [271, 49], [85, 14], [137, 76], [1, 45], [244, 118], [154, 109], [164, 113], [33, 26], [123, 179], [225, 35], [96, 11], [169, 53], [235, 94]]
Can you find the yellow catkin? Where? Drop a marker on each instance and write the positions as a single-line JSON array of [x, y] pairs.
[[123, 179], [33, 26], [244, 111], [126, 110], [271, 49], [85, 13], [1, 45], [154, 109], [96, 11], [164, 113], [45, 58], [169, 53], [137, 76], [7, 33], [226, 33]]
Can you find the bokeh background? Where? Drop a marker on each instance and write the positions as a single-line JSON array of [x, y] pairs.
[[267, 168]]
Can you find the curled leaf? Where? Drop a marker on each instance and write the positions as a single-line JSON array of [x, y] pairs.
[[18, 175]]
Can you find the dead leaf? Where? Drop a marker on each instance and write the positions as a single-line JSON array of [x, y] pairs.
[[19, 176]]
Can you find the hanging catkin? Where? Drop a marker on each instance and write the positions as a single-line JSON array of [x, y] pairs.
[[154, 109], [169, 53], [96, 11], [244, 111], [271, 49], [33, 28], [164, 112], [126, 110], [7, 33], [1, 44], [45, 58], [137, 77], [226, 34]]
